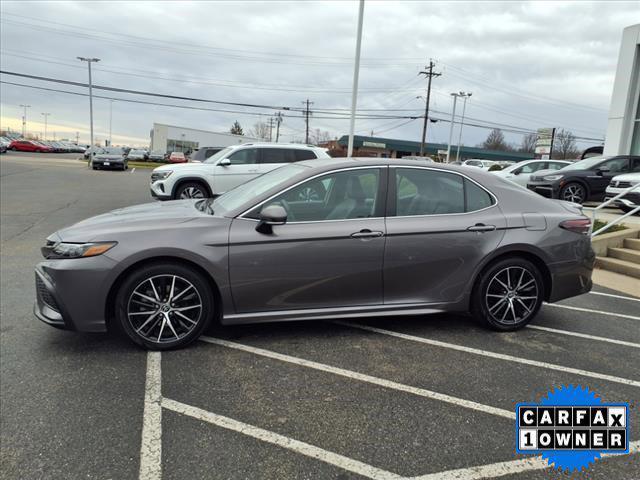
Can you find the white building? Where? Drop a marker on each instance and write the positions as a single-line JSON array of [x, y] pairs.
[[169, 138], [623, 129]]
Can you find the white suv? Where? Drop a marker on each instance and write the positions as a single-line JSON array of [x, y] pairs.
[[619, 184], [226, 169]]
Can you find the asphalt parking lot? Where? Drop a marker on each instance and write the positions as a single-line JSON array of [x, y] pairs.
[[427, 397]]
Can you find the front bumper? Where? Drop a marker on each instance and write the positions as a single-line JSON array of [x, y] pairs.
[[108, 164], [630, 200], [159, 190], [548, 190]]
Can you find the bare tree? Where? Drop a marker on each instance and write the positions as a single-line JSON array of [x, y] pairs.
[[564, 145], [528, 144], [319, 136], [495, 141], [260, 130]]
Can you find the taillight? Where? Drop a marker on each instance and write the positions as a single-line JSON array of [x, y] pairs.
[[578, 225]]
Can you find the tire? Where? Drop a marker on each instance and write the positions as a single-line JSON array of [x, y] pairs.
[[144, 321], [191, 190], [494, 289], [573, 192]]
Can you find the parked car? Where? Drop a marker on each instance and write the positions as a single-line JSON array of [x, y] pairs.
[[138, 155], [92, 150], [265, 251], [226, 169], [28, 146], [483, 164], [110, 158], [521, 172], [177, 157], [619, 184], [583, 180], [3, 147], [203, 153], [158, 156]]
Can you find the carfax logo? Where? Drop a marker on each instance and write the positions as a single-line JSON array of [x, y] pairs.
[[572, 427]]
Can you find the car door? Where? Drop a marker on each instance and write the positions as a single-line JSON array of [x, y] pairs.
[[440, 225], [328, 253], [524, 173], [241, 167], [272, 158], [604, 172]]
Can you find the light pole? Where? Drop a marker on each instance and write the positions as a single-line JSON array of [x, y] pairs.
[[24, 120], [89, 62], [45, 115], [464, 107], [110, 119], [453, 115], [356, 73]]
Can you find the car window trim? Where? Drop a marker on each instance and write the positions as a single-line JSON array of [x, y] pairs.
[[384, 169], [392, 186]]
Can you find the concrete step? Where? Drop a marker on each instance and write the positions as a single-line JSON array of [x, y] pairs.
[[619, 266], [632, 243], [626, 254]]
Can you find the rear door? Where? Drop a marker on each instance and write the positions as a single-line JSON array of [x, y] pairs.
[[272, 158], [243, 167], [440, 225]]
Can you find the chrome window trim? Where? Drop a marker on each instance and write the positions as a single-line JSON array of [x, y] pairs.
[[370, 167]]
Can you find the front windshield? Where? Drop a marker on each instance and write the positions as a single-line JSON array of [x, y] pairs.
[[218, 156], [585, 164], [256, 187], [112, 151]]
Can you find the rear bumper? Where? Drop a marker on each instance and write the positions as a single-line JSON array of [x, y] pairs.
[[573, 278]]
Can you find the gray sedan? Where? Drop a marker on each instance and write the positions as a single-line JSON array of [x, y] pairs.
[[378, 237]]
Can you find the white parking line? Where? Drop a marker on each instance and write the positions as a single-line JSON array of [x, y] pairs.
[[273, 438], [499, 356], [615, 296], [584, 335], [588, 310], [151, 445], [460, 402]]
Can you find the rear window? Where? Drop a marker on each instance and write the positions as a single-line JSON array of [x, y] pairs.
[[305, 155], [476, 197], [278, 155]]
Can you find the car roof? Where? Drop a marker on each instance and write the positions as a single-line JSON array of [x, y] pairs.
[[343, 162], [276, 145]]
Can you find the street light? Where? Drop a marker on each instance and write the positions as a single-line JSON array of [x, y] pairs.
[[89, 62], [45, 115], [356, 74], [110, 118], [24, 120], [464, 107]]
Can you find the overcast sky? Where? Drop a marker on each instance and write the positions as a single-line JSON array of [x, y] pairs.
[[528, 64]]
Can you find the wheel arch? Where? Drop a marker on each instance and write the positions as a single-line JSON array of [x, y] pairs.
[[580, 181], [182, 181]]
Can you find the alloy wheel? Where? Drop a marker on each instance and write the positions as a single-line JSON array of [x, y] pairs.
[[164, 308], [512, 295], [573, 193], [192, 192]]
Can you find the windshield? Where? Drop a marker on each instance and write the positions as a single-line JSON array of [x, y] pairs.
[[585, 164], [218, 156], [111, 151], [253, 188]]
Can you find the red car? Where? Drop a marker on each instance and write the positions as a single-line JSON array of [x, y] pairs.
[[177, 157], [27, 146]]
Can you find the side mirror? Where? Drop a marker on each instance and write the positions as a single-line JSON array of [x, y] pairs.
[[225, 162], [517, 171], [269, 216], [602, 170]]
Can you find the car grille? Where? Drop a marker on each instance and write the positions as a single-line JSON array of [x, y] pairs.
[[44, 294], [620, 184]]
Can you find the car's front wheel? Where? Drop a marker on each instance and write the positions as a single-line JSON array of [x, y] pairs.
[[191, 190], [573, 192], [509, 294], [164, 306]]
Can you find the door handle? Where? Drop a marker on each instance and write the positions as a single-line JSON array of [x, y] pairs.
[[366, 233], [481, 227]]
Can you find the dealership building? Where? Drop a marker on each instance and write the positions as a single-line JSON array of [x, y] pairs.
[[170, 138], [623, 128]]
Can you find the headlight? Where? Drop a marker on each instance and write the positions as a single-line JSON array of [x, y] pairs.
[[76, 250], [552, 178], [155, 176]]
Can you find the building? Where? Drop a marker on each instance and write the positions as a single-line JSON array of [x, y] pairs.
[[623, 128], [170, 138], [392, 148]]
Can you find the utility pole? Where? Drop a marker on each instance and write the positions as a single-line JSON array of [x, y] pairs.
[[306, 118], [356, 74], [429, 73], [89, 62], [453, 116], [278, 122], [24, 120], [464, 107], [45, 115], [271, 129], [110, 119]]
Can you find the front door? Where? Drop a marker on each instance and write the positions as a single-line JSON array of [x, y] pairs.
[[440, 226], [604, 172], [328, 254], [243, 167]]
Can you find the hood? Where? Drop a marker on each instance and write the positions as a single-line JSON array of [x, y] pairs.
[[627, 177], [182, 167], [147, 217]]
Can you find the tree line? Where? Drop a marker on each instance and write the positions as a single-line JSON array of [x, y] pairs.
[[564, 144]]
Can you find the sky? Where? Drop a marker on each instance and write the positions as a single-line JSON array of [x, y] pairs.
[[528, 65]]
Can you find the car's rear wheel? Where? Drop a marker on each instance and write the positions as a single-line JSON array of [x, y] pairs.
[[164, 306], [191, 190], [509, 294], [573, 192]]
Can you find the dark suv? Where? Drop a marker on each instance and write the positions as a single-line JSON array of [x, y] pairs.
[[583, 180]]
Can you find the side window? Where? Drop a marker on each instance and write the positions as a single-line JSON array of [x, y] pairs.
[[555, 165], [305, 155], [428, 192], [337, 196], [278, 155], [616, 165], [477, 198], [635, 164], [531, 167], [243, 157]]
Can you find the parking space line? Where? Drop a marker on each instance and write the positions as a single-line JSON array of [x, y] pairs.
[[151, 445], [499, 356], [273, 438], [460, 402], [584, 335], [599, 312], [615, 296]]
